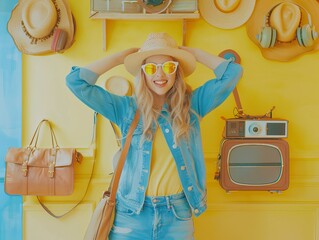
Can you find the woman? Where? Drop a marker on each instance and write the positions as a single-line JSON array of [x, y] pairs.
[[164, 178]]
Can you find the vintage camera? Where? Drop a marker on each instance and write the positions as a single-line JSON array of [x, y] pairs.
[[256, 128]]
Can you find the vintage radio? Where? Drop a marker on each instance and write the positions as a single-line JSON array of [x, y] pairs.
[[254, 164], [256, 128]]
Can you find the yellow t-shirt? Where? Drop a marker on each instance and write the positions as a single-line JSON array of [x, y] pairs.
[[164, 179]]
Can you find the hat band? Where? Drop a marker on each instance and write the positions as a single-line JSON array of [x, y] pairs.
[[34, 40]]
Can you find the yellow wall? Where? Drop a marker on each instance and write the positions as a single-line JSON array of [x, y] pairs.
[[292, 87]]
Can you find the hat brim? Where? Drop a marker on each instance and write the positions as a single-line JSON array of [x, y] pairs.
[[187, 61], [217, 18], [118, 85], [281, 51], [22, 41]]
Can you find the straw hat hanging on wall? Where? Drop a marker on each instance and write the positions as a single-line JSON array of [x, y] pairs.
[[284, 30], [33, 25], [118, 85], [226, 14]]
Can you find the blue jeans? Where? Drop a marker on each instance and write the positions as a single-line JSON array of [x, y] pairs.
[[165, 217]]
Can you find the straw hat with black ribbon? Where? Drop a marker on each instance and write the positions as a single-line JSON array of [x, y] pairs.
[[33, 24], [284, 30]]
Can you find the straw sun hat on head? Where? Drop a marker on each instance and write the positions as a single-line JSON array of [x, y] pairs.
[[160, 44], [284, 30], [33, 22], [226, 14]]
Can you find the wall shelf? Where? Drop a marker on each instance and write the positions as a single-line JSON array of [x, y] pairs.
[[116, 10]]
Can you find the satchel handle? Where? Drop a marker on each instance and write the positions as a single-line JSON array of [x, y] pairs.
[[37, 133]]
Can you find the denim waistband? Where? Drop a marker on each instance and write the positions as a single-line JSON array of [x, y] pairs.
[[157, 201]]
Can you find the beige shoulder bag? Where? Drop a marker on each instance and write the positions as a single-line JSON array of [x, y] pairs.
[[103, 215]]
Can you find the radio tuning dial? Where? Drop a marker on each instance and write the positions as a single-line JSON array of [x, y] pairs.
[[255, 129]]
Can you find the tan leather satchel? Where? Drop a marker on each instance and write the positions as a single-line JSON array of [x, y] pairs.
[[40, 171]]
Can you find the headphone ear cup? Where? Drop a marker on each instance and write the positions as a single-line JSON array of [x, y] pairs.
[[306, 35], [267, 37]]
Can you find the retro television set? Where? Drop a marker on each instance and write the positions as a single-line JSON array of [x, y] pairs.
[[254, 164]]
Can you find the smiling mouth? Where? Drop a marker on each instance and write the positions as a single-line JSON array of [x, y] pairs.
[[160, 83]]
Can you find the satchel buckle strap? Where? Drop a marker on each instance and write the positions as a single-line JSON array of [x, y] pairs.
[[54, 153], [78, 157], [51, 169], [25, 168], [106, 194]]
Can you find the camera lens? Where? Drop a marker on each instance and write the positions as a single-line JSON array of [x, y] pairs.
[[255, 129]]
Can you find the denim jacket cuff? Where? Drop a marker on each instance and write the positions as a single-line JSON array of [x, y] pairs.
[[221, 68], [89, 76]]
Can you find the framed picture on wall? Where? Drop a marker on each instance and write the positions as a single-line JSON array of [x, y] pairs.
[[144, 6]]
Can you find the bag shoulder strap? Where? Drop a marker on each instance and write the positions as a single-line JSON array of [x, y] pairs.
[[116, 177]]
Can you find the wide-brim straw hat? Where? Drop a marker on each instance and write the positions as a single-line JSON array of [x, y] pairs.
[[283, 51], [32, 24], [160, 44], [226, 14]]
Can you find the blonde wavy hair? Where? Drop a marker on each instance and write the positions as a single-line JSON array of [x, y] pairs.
[[178, 100]]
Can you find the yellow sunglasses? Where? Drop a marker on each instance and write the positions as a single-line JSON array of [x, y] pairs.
[[168, 68]]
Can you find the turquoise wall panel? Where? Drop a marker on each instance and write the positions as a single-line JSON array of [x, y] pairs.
[[10, 121]]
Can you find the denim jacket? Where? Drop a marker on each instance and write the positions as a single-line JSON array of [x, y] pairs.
[[188, 155]]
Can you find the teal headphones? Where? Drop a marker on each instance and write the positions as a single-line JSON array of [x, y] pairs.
[[306, 34]]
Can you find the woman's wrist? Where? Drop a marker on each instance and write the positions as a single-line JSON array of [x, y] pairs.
[[110, 61], [209, 60]]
